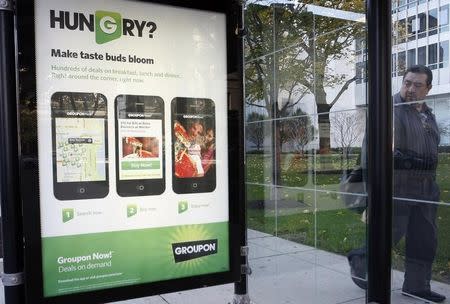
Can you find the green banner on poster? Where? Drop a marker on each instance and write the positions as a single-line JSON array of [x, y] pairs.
[[110, 259]]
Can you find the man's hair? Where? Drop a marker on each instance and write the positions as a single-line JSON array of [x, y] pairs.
[[420, 69]]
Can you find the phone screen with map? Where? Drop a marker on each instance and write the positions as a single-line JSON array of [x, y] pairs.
[[80, 145]]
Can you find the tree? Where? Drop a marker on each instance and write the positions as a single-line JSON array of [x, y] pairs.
[[347, 129], [288, 51], [268, 77], [297, 131], [255, 129]]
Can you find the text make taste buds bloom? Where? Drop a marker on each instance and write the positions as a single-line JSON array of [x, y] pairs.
[[100, 56]]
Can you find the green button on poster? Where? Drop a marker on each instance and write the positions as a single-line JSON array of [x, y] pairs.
[[140, 165]]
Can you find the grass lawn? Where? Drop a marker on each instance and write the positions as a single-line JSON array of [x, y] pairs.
[[324, 222]]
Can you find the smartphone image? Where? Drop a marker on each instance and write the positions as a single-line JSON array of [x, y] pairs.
[[193, 145], [79, 145], [140, 145]]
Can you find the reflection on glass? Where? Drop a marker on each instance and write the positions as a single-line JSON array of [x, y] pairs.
[[296, 142], [259, 31], [259, 87], [259, 163], [303, 89], [416, 191], [260, 215], [295, 215]]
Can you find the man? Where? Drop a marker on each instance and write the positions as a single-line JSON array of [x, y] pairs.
[[416, 140]]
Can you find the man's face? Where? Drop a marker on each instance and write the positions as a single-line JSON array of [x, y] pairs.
[[414, 87]]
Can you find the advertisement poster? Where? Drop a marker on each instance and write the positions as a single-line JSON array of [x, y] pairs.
[[132, 139]]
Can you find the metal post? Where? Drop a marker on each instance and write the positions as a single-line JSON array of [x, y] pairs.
[[241, 287], [9, 161], [379, 151]]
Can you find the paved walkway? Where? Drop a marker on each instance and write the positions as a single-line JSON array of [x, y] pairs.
[[285, 272]]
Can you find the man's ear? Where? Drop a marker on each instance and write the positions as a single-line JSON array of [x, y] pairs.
[[429, 87]]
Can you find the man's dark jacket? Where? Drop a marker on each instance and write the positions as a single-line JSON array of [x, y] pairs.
[[416, 140]]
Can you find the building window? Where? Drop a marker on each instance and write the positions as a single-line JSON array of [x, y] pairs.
[[422, 55], [443, 54], [361, 72], [401, 63], [443, 18], [432, 22], [411, 59], [422, 25], [360, 45], [432, 56], [412, 28], [401, 31]]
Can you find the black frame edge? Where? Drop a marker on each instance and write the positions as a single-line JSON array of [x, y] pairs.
[[379, 151], [11, 215], [236, 127]]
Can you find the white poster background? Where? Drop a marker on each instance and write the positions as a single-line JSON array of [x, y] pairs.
[[188, 43]]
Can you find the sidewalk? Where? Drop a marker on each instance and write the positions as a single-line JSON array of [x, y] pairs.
[[285, 272]]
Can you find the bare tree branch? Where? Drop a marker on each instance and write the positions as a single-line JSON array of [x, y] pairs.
[[342, 90], [255, 105]]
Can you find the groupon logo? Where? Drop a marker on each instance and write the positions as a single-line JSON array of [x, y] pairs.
[[108, 26], [192, 250]]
